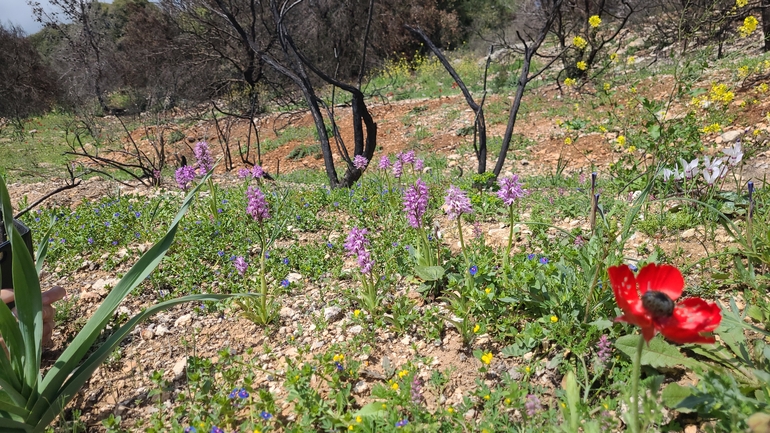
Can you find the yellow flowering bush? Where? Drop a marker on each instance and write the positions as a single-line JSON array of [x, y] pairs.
[[569, 82], [743, 72], [582, 65], [579, 42], [713, 128], [595, 21], [621, 140], [749, 25], [606, 87], [719, 93], [762, 88]]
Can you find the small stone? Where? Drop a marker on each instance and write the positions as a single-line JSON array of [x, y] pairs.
[[730, 136], [286, 313], [332, 314], [161, 330], [360, 387], [179, 367], [355, 330], [183, 320], [317, 345], [146, 334], [687, 234], [294, 277], [469, 415], [524, 162]]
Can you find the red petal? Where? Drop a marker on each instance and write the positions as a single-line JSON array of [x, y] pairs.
[[661, 278], [692, 317], [624, 286]]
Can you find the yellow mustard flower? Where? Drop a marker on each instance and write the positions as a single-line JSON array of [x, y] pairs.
[[743, 71], [749, 25], [606, 87], [487, 358], [568, 141], [582, 65], [762, 88], [631, 149], [633, 89], [613, 57], [602, 128], [256, 430], [741, 3], [488, 290], [384, 406], [630, 60], [594, 21], [756, 132], [476, 328], [713, 128], [554, 319], [621, 140], [507, 401], [402, 373], [339, 357], [579, 42], [569, 82]]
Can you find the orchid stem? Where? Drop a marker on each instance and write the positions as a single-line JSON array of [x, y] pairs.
[[635, 376]]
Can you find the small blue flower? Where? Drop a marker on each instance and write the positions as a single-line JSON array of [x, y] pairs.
[[190, 429], [37, 220], [543, 260], [632, 267], [267, 254], [395, 244], [114, 242], [216, 429], [63, 240], [137, 235], [242, 393], [221, 253], [265, 415], [299, 217], [224, 201], [473, 270], [339, 366], [220, 210], [430, 237], [106, 223], [233, 394], [90, 241], [285, 283], [336, 204], [137, 214], [116, 214], [285, 261], [402, 423], [530, 256], [330, 245]]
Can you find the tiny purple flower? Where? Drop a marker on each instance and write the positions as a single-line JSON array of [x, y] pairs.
[[242, 393], [530, 256], [265, 415], [384, 163], [285, 261], [205, 162], [233, 393], [339, 366], [407, 157], [632, 267], [543, 260], [190, 429], [114, 243], [90, 241], [402, 423], [579, 241], [285, 283], [240, 265], [360, 162], [419, 164], [416, 390], [416, 203], [216, 429], [398, 169], [257, 172], [532, 405], [356, 241], [510, 189], [456, 202], [184, 177], [605, 349], [137, 214], [257, 204], [365, 262]]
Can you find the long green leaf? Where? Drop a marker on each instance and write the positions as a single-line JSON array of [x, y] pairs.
[[14, 409], [29, 301], [12, 393], [13, 368], [82, 343], [42, 247], [10, 426], [85, 371]]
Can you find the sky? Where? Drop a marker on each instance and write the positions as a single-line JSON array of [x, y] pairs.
[[18, 12]]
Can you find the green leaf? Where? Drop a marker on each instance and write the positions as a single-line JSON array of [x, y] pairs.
[[429, 273], [654, 131], [602, 324], [68, 361], [573, 399], [73, 384], [42, 248], [372, 409], [657, 354], [674, 394]]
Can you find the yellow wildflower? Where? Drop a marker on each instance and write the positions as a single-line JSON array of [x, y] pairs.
[[554, 319], [756, 132], [394, 386], [713, 128], [256, 430], [606, 87], [762, 88], [487, 358], [613, 57], [402, 373], [721, 94], [487, 397], [357, 313], [450, 410], [579, 42], [631, 149], [621, 140], [633, 89], [384, 406], [507, 401], [748, 27], [527, 369], [743, 71], [359, 419], [630, 60], [350, 427], [582, 65], [339, 357], [488, 290], [476, 328], [741, 3], [568, 141], [602, 128], [559, 122], [569, 82], [594, 21]]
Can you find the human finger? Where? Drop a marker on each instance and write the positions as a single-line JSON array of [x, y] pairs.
[[49, 313], [54, 294], [6, 295]]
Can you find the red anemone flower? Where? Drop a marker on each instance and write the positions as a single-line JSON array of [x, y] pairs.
[[655, 311]]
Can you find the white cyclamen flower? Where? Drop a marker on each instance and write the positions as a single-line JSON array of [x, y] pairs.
[[689, 169], [734, 154]]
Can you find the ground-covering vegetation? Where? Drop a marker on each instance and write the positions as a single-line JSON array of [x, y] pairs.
[[613, 277]]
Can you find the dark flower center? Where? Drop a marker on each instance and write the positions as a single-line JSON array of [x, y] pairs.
[[658, 304]]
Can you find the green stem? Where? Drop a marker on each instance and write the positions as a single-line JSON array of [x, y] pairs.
[[263, 279], [507, 258], [635, 377], [462, 242]]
